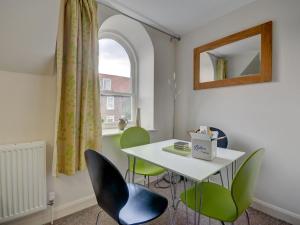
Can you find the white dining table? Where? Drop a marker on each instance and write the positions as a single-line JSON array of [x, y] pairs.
[[189, 167]]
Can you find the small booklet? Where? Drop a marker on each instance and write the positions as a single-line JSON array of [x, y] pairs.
[[180, 145], [174, 150]]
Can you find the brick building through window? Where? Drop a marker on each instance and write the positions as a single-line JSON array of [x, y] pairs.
[[114, 107]]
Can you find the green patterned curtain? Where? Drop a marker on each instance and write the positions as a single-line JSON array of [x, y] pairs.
[[78, 122]]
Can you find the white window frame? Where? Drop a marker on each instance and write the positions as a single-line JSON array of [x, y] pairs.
[[110, 117], [133, 75], [104, 82], [110, 102]]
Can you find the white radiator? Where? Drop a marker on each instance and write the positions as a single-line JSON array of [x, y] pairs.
[[22, 179]]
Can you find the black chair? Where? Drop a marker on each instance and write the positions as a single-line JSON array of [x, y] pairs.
[[128, 204], [222, 143]]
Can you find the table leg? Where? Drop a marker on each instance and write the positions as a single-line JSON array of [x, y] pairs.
[[175, 188], [128, 168], [171, 189], [232, 173], [199, 213], [133, 173], [195, 213], [185, 199], [227, 177], [235, 166], [221, 177]]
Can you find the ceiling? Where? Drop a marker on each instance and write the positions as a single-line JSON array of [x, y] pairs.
[[177, 16]]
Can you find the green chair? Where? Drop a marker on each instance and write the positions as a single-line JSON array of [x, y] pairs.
[[135, 136], [222, 204]]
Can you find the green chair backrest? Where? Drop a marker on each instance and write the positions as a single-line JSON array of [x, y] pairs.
[[134, 136], [244, 182]]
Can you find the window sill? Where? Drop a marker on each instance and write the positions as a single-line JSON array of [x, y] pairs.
[[113, 132]]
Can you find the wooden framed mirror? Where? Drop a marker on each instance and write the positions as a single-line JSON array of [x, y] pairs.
[[241, 58]]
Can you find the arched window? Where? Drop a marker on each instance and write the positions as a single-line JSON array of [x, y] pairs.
[[117, 81]]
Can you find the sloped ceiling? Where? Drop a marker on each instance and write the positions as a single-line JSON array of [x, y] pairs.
[[28, 30]]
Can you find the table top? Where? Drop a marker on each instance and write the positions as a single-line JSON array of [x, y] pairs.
[[196, 169]]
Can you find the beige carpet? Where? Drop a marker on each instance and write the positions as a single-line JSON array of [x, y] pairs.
[[88, 216]]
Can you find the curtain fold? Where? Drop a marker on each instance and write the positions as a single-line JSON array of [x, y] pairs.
[[78, 121], [221, 69]]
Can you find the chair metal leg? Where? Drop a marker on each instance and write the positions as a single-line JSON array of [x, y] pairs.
[[175, 212], [170, 216], [247, 216], [126, 174], [98, 217]]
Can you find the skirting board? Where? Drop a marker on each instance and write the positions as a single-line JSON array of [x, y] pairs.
[[88, 201], [265, 207], [276, 211], [74, 206], [60, 211]]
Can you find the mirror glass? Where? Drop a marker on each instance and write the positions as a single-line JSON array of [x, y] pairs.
[[237, 59]]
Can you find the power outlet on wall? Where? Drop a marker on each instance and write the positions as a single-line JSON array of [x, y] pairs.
[[51, 198]]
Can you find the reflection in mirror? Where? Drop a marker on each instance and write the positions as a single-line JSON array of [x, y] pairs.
[[240, 58]]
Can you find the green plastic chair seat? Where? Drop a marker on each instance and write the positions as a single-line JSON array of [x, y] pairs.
[[144, 168], [136, 136], [217, 202], [223, 204]]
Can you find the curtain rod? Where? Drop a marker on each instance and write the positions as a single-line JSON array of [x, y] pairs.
[[149, 25]]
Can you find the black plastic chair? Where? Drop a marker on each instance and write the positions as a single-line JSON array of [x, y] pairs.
[[128, 204], [222, 143]]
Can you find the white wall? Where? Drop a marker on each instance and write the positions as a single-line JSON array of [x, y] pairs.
[[237, 64], [27, 103], [28, 109], [257, 115]]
